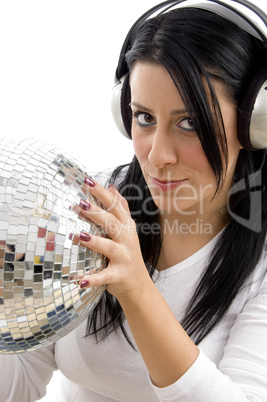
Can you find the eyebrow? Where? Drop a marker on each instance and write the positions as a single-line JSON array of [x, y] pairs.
[[173, 112]]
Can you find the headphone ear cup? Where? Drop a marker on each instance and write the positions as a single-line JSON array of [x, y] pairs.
[[252, 118], [120, 106]]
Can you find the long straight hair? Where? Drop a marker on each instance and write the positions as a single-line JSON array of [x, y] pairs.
[[196, 47]]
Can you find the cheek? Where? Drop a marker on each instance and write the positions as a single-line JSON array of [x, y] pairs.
[[198, 161], [234, 146], [192, 155]]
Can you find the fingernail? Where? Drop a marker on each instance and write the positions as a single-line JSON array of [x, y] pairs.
[[84, 205], [70, 236], [83, 284], [111, 185], [84, 236], [89, 182]]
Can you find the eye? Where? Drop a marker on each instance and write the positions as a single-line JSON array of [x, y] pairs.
[[186, 124], [144, 119]]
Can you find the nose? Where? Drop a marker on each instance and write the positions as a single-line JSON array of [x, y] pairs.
[[162, 151]]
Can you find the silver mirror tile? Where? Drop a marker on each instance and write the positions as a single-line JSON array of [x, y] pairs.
[[40, 300]]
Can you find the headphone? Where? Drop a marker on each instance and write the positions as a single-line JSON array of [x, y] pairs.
[[252, 125]]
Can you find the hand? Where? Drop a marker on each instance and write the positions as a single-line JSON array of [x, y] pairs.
[[126, 277], [126, 272]]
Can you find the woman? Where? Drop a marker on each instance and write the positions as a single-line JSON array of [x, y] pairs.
[[184, 314]]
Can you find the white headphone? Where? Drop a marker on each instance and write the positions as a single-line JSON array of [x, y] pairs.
[[247, 16]]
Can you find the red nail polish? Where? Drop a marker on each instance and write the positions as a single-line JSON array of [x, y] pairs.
[[89, 182], [84, 236], [83, 284], [70, 236], [84, 205]]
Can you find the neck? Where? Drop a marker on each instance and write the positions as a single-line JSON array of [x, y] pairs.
[[183, 236]]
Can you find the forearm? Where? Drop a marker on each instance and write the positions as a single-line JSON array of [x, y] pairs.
[[167, 350]]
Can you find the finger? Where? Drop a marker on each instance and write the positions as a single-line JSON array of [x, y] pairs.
[[101, 278], [111, 225], [110, 199], [116, 193], [101, 245], [76, 278]]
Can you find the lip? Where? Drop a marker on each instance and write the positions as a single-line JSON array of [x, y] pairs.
[[166, 185]]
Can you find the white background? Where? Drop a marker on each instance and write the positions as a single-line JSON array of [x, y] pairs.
[[57, 66]]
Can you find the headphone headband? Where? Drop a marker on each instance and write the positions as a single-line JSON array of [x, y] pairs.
[[252, 116], [246, 15]]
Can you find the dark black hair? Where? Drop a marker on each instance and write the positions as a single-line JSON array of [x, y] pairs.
[[196, 46]]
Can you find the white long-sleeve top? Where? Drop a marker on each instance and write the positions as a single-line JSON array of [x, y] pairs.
[[232, 364]]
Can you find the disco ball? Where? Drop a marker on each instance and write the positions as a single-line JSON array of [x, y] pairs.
[[40, 299]]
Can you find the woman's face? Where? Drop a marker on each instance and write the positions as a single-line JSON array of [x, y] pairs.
[[168, 149]]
